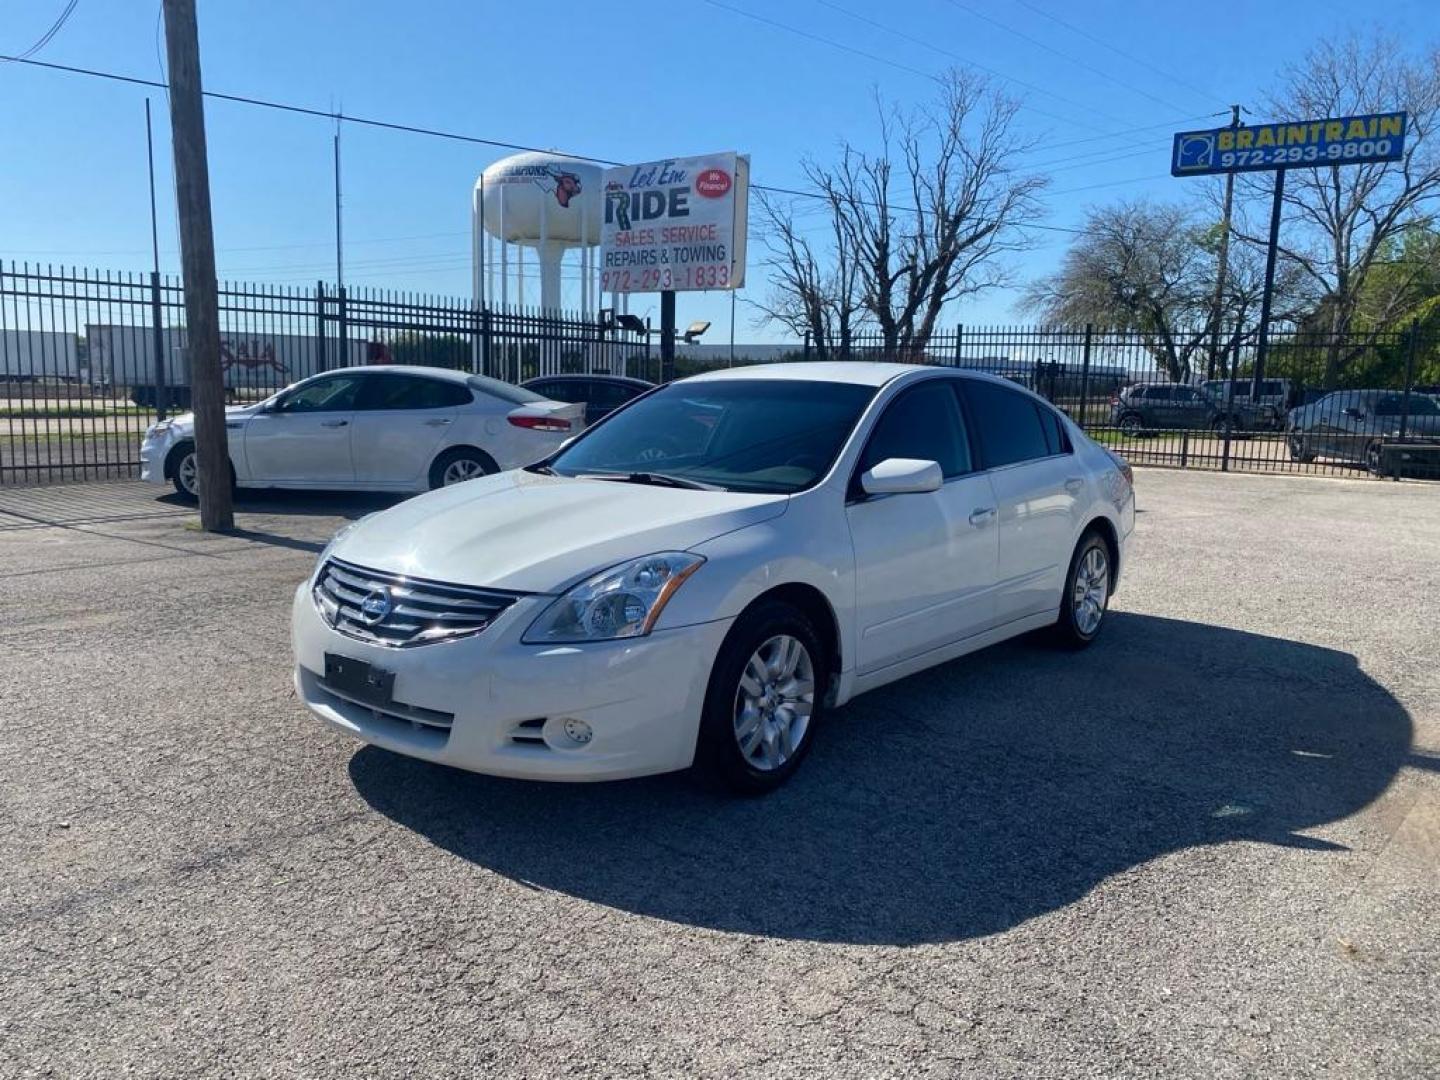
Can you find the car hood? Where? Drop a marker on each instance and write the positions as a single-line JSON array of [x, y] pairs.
[[186, 421], [533, 533]]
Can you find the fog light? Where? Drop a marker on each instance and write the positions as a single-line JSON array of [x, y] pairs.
[[579, 731]]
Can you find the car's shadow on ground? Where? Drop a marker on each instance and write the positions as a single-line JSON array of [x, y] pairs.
[[346, 504], [959, 802]]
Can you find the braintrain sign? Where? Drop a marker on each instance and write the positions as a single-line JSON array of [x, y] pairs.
[[1344, 140], [678, 224]]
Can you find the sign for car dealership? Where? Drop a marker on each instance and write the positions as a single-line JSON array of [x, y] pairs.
[[678, 224]]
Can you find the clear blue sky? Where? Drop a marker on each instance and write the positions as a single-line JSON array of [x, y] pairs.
[[629, 82]]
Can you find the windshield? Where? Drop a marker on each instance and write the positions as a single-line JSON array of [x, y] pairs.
[[753, 435]]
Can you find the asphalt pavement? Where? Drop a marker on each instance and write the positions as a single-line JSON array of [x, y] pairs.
[[1207, 847]]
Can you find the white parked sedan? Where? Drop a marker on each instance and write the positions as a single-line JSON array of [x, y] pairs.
[[709, 569], [380, 428]]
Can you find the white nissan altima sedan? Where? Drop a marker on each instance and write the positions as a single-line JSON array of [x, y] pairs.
[[703, 574], [387, 427]]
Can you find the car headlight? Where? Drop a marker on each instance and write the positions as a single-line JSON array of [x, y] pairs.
[[622, 602], [158, 429]]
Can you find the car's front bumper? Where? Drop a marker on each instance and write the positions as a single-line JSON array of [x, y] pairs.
[[153, 452], [641, 698]]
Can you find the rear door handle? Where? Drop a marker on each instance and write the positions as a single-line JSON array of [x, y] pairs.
[[981, 516], [436, 423], [333, 423], [1075, 483]]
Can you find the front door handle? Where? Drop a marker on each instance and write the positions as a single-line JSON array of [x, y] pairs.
[[436, 423], [333, 423], [982, 516], [1075, 483]]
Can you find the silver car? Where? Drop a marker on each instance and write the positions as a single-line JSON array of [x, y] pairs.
[[1354, 425]]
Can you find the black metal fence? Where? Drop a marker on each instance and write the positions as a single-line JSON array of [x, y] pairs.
[[1362, 403], [89, 358]]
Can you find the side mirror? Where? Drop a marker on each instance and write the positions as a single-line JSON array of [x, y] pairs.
[[902, 476], [1354, 413]]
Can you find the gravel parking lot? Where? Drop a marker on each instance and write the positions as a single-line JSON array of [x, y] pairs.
[[1206, 847]]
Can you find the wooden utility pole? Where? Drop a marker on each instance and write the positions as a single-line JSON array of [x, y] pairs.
[[197, 254]]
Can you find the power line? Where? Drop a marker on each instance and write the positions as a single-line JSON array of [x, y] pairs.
[[954, 56], [458, 137], [46, 37], [382, 124], [306, 111], [1117, 50], [1109, 183], [1063, 56]]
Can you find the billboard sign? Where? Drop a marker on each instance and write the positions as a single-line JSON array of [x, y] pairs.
[[1344, 140], [678, 224]]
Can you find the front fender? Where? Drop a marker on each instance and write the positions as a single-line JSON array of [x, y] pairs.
[[742, 565]]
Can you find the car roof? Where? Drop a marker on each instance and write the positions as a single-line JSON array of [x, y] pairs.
[[448, 374], [628, 380], [859, 372]]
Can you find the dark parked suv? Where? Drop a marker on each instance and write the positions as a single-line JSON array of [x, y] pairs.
[[1155, 406]]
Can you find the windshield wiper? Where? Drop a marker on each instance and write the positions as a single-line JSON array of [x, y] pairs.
[[653, 478], [543, 470]]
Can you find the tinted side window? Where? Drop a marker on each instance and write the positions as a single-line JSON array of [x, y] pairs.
[[1055, 440], [412, 392], [925, 424], [335, 394], [1009, 424]]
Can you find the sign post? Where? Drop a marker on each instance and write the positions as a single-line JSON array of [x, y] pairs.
[[1344, 140], [677, 225]]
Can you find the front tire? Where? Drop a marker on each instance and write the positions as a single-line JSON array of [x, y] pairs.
[[459, 464], [1300, 449], [765, 697], [185, 471], [1087, 592], [1132, 426]]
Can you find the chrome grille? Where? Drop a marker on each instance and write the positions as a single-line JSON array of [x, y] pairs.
[[391, 609]]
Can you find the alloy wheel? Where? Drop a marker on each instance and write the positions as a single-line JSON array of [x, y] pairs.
[[1092, 589], [460, 470], [774, 702], [188, 473]]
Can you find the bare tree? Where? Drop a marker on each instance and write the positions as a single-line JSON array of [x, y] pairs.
[[924, 221], [1340, 220], [813, 294], [1151, 268]]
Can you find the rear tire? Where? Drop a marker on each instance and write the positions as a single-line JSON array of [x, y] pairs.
[[1375, 459], [458, 464], [766, 695], [1086, 598]]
